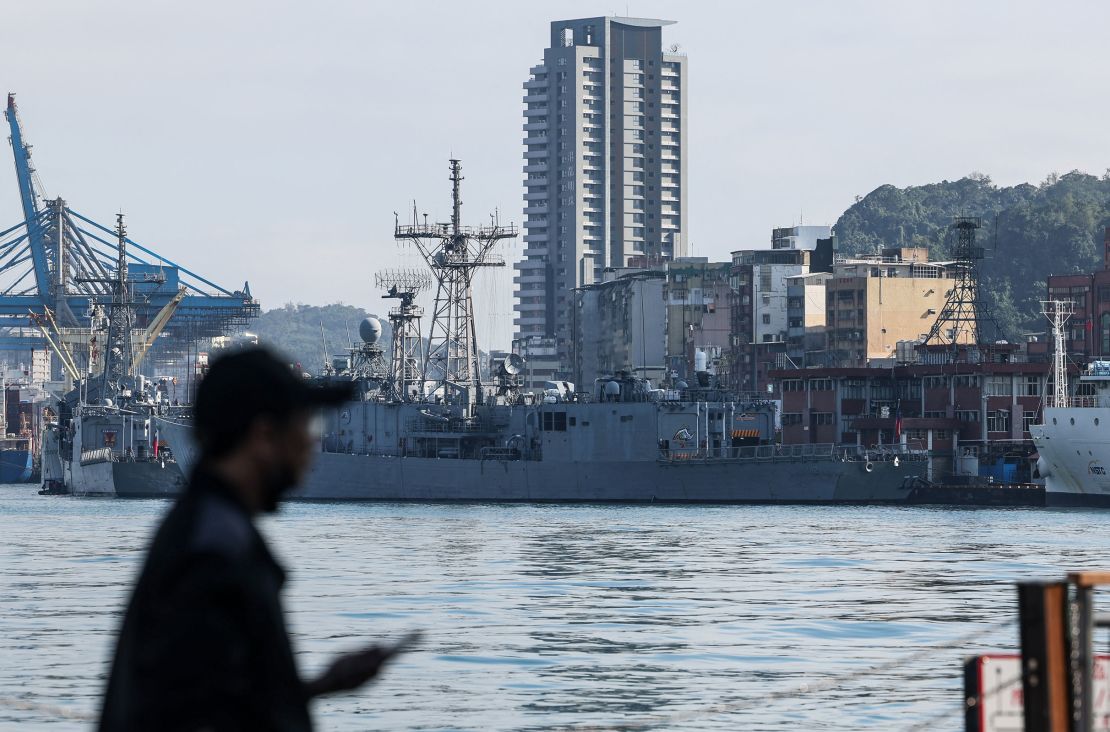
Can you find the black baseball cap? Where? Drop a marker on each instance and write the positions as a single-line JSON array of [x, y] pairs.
[[247, 383]]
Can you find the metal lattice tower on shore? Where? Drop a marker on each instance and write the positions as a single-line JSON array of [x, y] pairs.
[[454, 253], [406, 363], [966, 318]]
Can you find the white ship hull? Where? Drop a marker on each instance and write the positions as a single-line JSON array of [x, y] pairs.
[[1074, 448]]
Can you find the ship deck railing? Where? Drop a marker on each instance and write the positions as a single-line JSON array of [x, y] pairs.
[[431, 426], [1084, 402], [789, 453]]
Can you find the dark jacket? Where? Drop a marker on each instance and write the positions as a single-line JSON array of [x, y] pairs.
[[204, 644]]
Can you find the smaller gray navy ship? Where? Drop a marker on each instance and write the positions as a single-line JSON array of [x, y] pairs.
[[427, 427], [106, 441]]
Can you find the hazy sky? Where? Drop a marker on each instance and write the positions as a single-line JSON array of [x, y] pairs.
[[271, 141]]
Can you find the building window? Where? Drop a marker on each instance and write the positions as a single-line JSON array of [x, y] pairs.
[[1104, 322], [884, 392], [966, 381], [909, 390], [791, 419], [791, 384], [936, 415], [766, 318], [998, 386], [935, 382], [968, 415], [822, 418], [998, 421], [854, 389], [1028, 420], [820, 385], [1032, 386]]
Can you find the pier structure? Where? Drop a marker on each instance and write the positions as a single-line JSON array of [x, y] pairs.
[[57, 263], [454, 253]]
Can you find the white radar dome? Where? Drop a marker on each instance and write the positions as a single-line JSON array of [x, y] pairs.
[[370, 330]]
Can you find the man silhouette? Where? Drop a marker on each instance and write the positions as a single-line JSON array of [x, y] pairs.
[[204, 644]]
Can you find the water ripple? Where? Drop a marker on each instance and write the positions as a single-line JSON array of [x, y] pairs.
[[539, 617]]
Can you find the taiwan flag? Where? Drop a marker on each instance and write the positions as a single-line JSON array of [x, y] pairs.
[[898, 422]]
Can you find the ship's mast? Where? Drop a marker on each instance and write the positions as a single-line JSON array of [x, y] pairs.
[[119, 350], [454, 253], [406, 363], [1058, 312]]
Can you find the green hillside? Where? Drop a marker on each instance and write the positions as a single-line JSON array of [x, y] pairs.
[[294, 330], [1028, 231]]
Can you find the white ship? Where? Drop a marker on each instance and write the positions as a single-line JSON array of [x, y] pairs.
[[1073, 440]]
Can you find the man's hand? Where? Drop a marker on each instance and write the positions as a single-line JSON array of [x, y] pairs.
[[352, 670]]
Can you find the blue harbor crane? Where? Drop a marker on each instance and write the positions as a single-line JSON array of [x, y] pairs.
[[58, 263]]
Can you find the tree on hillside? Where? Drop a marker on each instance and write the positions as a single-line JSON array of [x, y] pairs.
[[1029, 232], [294, 330]]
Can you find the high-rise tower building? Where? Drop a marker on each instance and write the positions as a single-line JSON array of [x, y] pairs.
[[605, 170]]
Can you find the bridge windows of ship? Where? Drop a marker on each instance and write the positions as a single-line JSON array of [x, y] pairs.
[[555, 421]]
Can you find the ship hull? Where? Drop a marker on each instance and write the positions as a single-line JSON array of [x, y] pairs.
[[1074, 456], [352, 477], [380, 478], [126, 480], [16, 466]]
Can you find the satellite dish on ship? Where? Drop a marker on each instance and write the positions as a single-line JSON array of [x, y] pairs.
[[513, 364]]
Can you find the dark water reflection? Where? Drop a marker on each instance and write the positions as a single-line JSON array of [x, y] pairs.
[[543, 617]]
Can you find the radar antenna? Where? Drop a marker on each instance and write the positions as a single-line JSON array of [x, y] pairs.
[[406, 363], [454, 253]]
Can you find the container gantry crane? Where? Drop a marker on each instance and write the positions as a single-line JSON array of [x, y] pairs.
[[58, 260]]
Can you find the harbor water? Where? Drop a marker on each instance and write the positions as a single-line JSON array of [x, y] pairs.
[[541, 617]]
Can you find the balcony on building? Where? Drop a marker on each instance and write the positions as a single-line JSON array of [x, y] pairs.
[[535, 167], [535, 112], [536, 126], [535, 98]]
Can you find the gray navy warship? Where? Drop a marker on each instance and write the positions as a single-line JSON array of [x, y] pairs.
[[106, 441], [427, 427]]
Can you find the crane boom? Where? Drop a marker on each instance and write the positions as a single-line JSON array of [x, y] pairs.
[[24, 176], [157, 325]]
